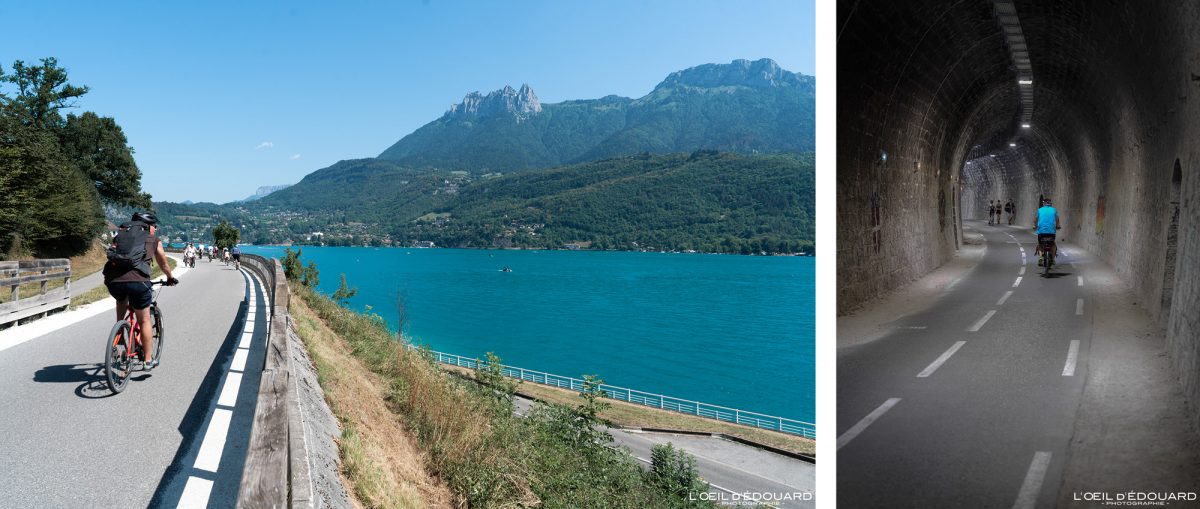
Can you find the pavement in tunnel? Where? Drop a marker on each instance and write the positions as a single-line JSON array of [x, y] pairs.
[[972, 402]]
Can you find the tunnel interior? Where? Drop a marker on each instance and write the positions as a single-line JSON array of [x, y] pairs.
[[944, 107]]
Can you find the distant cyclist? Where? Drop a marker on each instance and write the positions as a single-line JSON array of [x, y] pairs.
[[189, 256], [127, 273], [237, 256], [225, 255], [1048, 224]]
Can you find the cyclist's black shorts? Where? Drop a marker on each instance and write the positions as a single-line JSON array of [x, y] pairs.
[[138, 292], [237, 256], [1044, 238]]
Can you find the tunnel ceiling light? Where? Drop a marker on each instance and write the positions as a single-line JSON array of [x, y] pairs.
[[1026, 126], [1012, 144], [1024, 82]]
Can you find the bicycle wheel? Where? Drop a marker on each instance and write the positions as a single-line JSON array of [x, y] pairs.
[[159, 331], [118, 357], [1046, 261]]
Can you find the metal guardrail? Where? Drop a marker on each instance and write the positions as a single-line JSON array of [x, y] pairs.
[[732, 415], [15, 274]]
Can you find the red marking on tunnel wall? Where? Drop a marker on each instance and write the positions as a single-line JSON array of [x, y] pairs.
[[1100, 216]]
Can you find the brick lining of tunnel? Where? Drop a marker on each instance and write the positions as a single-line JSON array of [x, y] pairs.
[[1115, 105]]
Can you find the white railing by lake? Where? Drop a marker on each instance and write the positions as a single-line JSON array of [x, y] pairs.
[[783, 424]]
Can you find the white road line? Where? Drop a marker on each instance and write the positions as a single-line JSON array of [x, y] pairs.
[[866, 421], [726, 490], [1080, 280], [214, 441], [195, 493], [239, 360], [1078, 306], [233, 381], [246, 337], [1017, 282], [1004, 298], [1027, 498], [940, 360], [1022, 272], [978, 325], [248, 329], [1022, 249], [911, 327], [1072, 354]]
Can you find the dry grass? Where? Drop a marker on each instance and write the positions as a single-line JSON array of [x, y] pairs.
[[88, 263], [628, 414], [381, 460]]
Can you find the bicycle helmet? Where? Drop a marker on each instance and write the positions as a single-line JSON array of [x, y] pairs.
[[145, 217]]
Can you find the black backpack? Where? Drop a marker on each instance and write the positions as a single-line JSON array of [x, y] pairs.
[[128, 250]]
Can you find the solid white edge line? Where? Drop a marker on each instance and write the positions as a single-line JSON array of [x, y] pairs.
[[849, 435], [1017, 282], [239, 360], [249, 328], [1027, 498], [229, 393], [1004, 298], [940, 360], [195, 493], [213, 445], [1072, 355], [246, 338], [979, 324], [1078, 307]]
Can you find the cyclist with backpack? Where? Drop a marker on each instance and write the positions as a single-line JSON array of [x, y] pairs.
[[236, 252], [127, 273]]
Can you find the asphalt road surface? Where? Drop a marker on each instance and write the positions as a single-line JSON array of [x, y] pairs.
[[175, 437], [970, 403]]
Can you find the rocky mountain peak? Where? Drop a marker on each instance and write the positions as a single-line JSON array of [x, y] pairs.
[[762, 73], [520, 103]]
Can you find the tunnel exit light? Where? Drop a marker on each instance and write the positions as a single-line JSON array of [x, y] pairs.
[[1024, 82], [1012, 144], [1026, 126]]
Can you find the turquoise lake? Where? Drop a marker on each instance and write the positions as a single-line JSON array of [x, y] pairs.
[[736, 331]]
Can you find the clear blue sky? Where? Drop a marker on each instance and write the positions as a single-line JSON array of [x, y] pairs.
[[202, 88]]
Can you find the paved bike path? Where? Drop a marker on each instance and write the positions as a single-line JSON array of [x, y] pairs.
[[990, 422], [69, 442]]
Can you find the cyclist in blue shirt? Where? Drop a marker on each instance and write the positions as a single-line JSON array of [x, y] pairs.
[[1047, 225]]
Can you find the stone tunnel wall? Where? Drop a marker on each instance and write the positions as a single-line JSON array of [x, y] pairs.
[[1116, 103]]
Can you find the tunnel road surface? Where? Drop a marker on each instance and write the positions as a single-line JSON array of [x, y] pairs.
[[177, 434], [970, 403]]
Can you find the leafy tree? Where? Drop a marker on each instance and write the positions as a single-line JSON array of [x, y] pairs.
[[46, 206], [225, 235], [98, 148], [293, 269], [674, 471], [42, 90], [311, 277], [344, 293]]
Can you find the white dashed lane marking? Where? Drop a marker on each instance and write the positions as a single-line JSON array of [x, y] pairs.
[[1027, 498], [1072, 355], [978, 325], [214, 441], [1079, 306], [940, 360], [866, 421], [1080, 280], [1017, 282], [1004, 298], [195, 493]]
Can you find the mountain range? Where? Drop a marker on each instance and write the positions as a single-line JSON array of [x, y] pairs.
[[715, 158], [743, 106]]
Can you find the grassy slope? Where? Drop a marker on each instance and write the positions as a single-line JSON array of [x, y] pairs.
[[467, 434], [382, 463]]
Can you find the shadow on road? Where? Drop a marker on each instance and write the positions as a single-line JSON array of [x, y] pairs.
[[189, 427]]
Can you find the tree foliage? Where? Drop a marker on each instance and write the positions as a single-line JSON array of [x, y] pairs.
[[56, 173], [225, 236], [344, 293]]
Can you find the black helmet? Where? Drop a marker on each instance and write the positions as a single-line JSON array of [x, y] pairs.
[[145, 217]]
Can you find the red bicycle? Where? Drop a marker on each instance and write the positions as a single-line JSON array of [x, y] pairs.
[[125, 343]]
